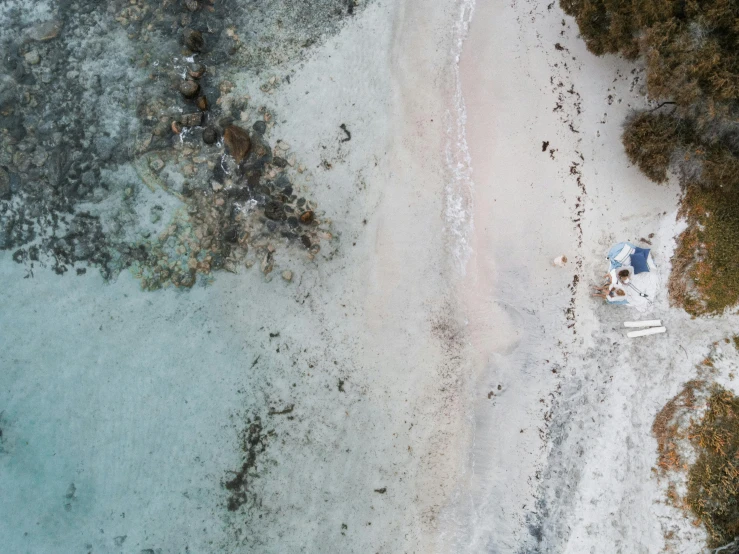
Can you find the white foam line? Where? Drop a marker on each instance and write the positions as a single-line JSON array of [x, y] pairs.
[[461, 514], [459, 188]]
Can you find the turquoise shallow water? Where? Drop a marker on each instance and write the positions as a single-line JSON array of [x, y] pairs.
[[227, 321], [166, 385], [117, 120]]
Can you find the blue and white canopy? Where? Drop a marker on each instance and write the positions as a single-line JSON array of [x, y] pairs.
[[643, 283]]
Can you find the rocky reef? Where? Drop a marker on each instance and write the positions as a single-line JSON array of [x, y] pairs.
[[125, 143]]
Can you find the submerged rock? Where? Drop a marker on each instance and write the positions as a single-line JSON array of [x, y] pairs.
[[193, 40], [32, 57], [210, 135], [238, 142], [274, 211], [196, 70], [231, 203], [189, 89], [260, 127], [192, 119], [5, 189], [45, 31]]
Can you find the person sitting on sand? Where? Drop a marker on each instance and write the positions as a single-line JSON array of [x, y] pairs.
[[609, 281], [624, 275], [611, 290], [616, 293]]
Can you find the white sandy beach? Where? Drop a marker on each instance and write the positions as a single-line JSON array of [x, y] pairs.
[[444, 387], [563, 402]]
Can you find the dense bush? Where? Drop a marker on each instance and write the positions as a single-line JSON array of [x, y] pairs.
[[690, 46], [651, 141]]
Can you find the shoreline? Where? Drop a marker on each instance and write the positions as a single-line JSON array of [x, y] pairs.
[[510, 291]]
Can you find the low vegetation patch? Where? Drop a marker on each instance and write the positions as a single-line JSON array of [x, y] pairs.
[[705, 276], [713, 480], [698, 451]]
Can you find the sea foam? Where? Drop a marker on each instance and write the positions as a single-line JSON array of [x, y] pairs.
[[459, 187]]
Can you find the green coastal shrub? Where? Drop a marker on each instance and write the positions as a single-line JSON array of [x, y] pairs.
[[651, 140]]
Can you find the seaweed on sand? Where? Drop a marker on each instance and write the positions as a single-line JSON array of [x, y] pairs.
[[253, 443]]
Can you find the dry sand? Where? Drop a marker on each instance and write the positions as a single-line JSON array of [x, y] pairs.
[[562, 452]]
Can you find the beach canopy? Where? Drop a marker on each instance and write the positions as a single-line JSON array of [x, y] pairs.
[[641, 286]]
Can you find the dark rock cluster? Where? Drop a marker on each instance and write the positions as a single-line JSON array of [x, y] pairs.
[[95, 88]]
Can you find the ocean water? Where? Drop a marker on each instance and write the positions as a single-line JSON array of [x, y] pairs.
[[176, 374], [199, 349]]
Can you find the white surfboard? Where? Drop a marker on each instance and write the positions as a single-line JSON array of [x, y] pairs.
[[645, 332], [647, 323]]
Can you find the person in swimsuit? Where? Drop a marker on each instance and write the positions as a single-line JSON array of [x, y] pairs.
[[615, 293], [612, 289]]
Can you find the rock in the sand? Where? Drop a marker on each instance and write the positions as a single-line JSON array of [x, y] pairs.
[[260, 127], [45, 31], [210, 135], [196, 70], [279, 162], [191, 5], [32, 57], [559, 261], [274, 211], [189, 89], [4, 184], [307, 217], [287, 275], [238, 142], [202, 103], [193, 40]]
